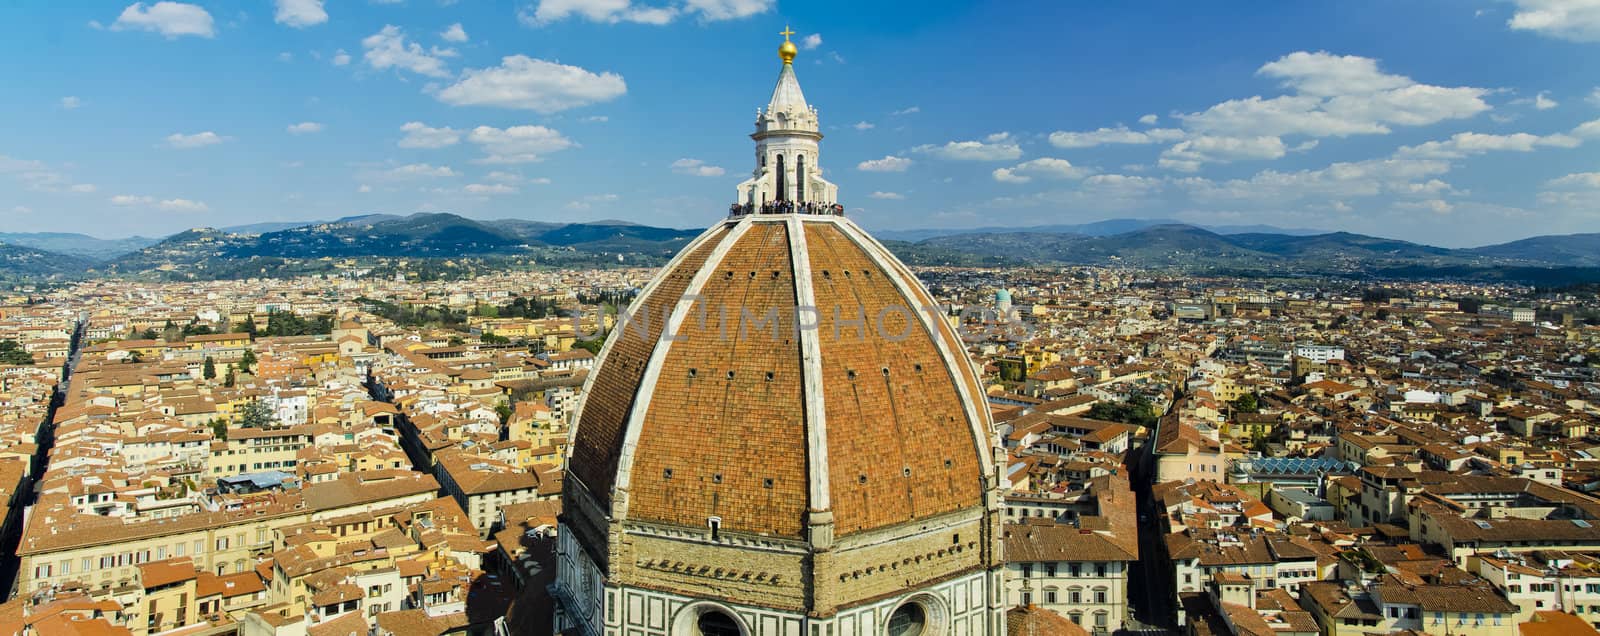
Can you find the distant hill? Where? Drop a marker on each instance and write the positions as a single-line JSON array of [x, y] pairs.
[[20, 261], [80, 245], [310, 248], [1189, 248], [617, 237], [447, 244], [1108, 227], [1571, 249]]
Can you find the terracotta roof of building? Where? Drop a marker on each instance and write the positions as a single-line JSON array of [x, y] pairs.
[[1552, 623], [1032, 620]]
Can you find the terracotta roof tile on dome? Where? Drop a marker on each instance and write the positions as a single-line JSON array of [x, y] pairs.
[[872, 412], [730, 427], [907, 451], [608, 398]]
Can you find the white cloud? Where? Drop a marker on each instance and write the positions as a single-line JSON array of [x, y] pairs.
[[1149, 120], [543, 12], [1594, 97], [811, 41], [300, 13], [499, 176], [38, 177], [863, 125], [1578, 191], [517, 144], [341, 58], [533, 84], [911, 110], [1542, 101], [1436, 206], [182, 205], [69, 102], [995, 147], [1047, 167], [419, 171], [10, 164], [711, 10], [21, 209], [1335, 96], [1575, 20], [890, 163], [1118, 135], [588, 201], [364, 188], [454, 33], [596, 119], [170, 205], [197, 140], [1470, 143], [886, 196], [488, 188], [546, 11], [1121, 185], [1346, 180], [420, 135], [171, 19], [1577, 180], [696, 167], [388, 49], [1327, 75], [1188, 155], [1100, 192], [304, 128], [1588, 130]]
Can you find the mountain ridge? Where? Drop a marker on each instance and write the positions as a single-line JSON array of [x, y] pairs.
[[1146, 243]]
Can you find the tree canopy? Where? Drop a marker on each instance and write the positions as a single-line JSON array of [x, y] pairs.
[[13, 353]]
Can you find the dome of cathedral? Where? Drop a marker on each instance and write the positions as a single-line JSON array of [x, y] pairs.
[[783, 364], [783, 433]]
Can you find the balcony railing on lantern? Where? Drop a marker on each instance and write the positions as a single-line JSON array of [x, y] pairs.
[[787, 207]]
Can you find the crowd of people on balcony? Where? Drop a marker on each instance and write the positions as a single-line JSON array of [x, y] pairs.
[[786, 207]]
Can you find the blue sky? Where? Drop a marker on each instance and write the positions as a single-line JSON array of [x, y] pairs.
[[1451, 122]]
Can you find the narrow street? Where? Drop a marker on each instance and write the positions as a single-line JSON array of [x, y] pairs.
[[44, 439], [1149, 582]]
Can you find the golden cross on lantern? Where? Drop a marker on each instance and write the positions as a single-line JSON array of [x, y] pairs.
[[786, 33]]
